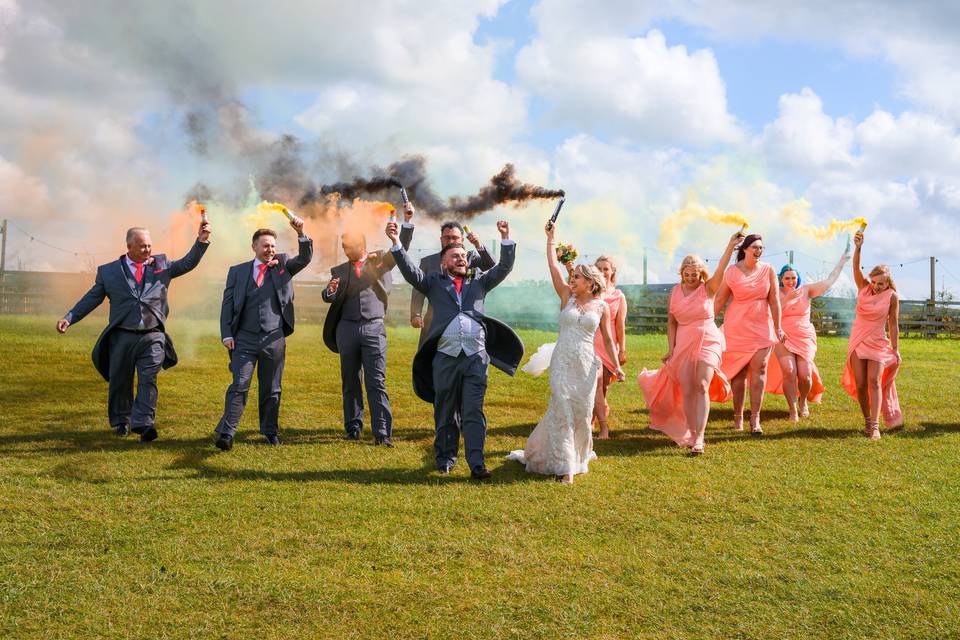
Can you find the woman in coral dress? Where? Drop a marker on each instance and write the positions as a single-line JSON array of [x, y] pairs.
[[617, 303], [873, 355], [751, 326], [678, 395], [792, 371]]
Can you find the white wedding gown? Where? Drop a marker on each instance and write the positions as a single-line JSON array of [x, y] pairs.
[[562, 442]]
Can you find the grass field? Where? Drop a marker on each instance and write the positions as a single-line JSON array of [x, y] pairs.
[[810, 532]]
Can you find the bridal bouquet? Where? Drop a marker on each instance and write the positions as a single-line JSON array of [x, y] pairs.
[[566, 253]]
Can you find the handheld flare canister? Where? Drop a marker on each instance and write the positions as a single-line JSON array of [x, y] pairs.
[[556, 212], [403, 191]]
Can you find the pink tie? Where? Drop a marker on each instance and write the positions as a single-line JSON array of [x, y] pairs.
[[358, 268], [138, 276], [263, 270], [458, 284]]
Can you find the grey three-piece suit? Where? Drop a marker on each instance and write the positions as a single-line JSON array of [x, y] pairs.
[[135, 338], [354, 329], [259, 319], [456, 384]]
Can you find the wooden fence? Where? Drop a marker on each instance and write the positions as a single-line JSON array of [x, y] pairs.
[[531, 305]]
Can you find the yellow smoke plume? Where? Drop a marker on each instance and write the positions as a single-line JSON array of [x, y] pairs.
[[673, 226], [797, 215]]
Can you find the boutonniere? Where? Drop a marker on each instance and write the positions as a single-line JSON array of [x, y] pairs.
[[281, 271], [471, 273]]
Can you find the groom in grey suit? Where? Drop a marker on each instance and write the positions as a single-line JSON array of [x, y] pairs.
[[256, 317], [135, 340], [450, 368]]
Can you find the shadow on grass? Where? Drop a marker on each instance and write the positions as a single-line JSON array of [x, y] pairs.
[[930, 430]]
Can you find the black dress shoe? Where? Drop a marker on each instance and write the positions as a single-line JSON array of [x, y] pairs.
[[383, 442], [480, 472], [148, 435], [353, 435], [273, 440], [224, 442], [122, 430]]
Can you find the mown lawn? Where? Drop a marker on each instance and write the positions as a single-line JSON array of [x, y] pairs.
[[810, 532]]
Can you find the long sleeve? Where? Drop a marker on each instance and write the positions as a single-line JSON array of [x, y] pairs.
[[416, 300], [226, 307], [484, 261], [496, 275], [410, 272], [303, 258], [90, 301], [188, 263]]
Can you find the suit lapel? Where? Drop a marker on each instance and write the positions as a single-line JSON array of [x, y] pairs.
[[127, 276], [246, 275]]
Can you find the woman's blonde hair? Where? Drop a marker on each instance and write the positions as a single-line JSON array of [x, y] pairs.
[[591, 273], [694, 260], [613, 267], [883, 270]]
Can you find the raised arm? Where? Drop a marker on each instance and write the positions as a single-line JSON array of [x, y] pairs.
[[305, 249], [388, 262], [90, 301], [720, 299], [713, 284], [773, 299], [416, 306], [508, 253], [608, 342], [410, 272], [821, 287], [553, 266], [188, 263], [858, 278]]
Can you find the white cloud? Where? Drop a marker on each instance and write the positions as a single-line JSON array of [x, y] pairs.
[[805, 139], [638, 88]]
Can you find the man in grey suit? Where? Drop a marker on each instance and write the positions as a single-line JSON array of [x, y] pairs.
[[353, 328], [451, 232], [256, 316], [450, 368], [135, 339]]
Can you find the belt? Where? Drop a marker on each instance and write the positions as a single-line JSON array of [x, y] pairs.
[[139, 331], [371, 321]]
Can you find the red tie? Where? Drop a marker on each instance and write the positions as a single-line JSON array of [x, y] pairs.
[[263, 269], [358, 267], [458, 284], [138, 276]]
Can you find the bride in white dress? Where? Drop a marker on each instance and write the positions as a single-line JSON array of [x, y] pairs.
[[562, 443]]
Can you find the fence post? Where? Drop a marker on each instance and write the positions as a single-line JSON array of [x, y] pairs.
[[931, 331]]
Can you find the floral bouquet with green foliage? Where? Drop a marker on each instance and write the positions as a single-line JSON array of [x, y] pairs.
[[566, 253]]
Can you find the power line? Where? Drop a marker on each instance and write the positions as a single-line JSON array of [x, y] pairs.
[[33, 238]]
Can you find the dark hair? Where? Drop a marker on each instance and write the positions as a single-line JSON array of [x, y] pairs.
[[264, 232], [451, 224], [749, 240], [452, 245]]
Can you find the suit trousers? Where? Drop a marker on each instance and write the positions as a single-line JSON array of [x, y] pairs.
[[264, 352], [460, 383], [363, 359], [134, 352]]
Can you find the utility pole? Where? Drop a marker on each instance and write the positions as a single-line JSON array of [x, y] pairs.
[[3, 249], [644, 266], [790, 256]]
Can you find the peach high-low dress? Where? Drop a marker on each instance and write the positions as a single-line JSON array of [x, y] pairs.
[[801, 341], [615, 301], [868, 339], [698, 340], [747, 323]]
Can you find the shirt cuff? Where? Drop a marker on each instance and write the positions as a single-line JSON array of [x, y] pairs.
[[407, 225], [508, 242], [224, 341], [303, 239], [396, 247], [69, 316]]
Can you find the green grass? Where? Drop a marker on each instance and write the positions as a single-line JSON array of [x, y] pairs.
[[812, 531]]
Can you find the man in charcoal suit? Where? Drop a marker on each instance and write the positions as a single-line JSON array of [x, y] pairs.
[[354, 328], [255, 318], [135, 340], [450, 368], [450, 233]]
